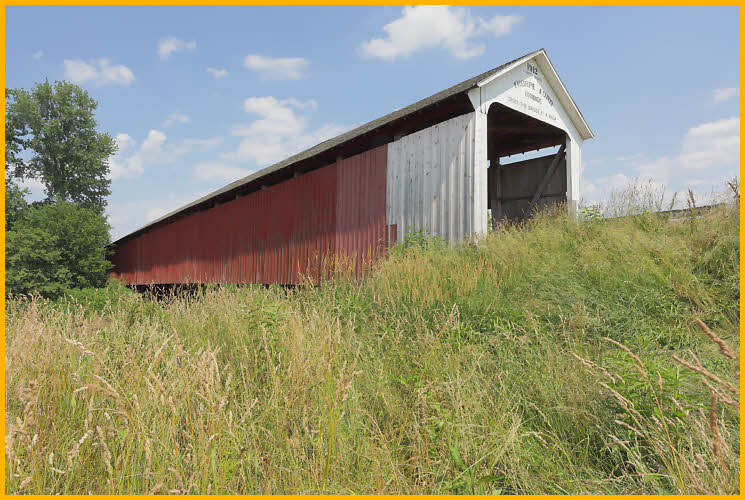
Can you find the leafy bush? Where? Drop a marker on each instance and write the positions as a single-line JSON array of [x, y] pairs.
[[100, 300], [54, 247]]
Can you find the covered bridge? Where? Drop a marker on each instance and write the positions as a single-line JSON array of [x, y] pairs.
[[433, 166]]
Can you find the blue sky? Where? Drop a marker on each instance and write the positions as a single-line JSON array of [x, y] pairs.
[[200, 96]]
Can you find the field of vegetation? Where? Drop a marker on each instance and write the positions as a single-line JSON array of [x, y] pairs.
[[599, 356]]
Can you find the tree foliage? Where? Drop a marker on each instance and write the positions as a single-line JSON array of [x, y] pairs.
[[15, 202], [50, 135], [56, 246]]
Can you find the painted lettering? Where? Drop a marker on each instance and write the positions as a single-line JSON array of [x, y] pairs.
[[524, 83], [532, 97], [545, 95]]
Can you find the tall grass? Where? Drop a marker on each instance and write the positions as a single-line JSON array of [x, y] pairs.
[[556, 357]]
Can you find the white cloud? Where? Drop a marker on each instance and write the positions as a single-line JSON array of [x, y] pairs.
[[258, 152], [430, 26], [127, 163], [38, 54], [721, 95], [130, 161], [170, 45], [35, 186], [125, 142], [500, 25], [215, 170], [711, 148], [278, 132], [176, 118], [608, 183], [98, 72], [217, 73], [712, 144], [153, 143], [127, 216], [277, 117], [279, 68]]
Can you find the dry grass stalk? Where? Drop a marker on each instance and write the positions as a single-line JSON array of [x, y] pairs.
[[630, 427], [723, 347], [75, 452], [25, 483], [721, 395], [713, 425], [106, 456], [734, 186], [95, 387], [637, 361], [625, 403], [179, 481], [680, 407], [703, 371], [591, 367], [80, 346]]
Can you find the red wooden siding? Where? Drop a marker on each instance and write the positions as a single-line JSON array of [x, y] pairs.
[[276, 235]]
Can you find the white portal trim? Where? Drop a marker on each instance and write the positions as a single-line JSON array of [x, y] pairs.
[[549, 71]]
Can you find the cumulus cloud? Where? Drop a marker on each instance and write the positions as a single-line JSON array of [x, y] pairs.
[[176, 118], [127, 216], [279, 131], [500, 25], [276, 117], [153, 143], [131, 160], [605, 184], [36, 187], [712, 146], [430, 26], [276, 68], [127, 163], [98, 72], [217, 73], [171, 45], [709, 153], [721, 95], [38, 54]]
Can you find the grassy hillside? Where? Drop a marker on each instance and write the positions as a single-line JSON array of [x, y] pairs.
[[542, 360]]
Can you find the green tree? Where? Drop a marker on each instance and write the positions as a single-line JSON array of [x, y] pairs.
[[54, 126], [14, 132], [15, 202], [56, 246]]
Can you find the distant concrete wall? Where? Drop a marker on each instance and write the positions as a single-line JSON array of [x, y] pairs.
[[432, 182]]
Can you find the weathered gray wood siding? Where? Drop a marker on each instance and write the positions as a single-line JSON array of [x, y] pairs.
[[430, 180]]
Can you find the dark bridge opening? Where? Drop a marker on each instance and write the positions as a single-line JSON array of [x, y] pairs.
[[516, 189]]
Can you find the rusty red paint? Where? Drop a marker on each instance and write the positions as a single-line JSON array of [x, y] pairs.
[[291, 230]]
